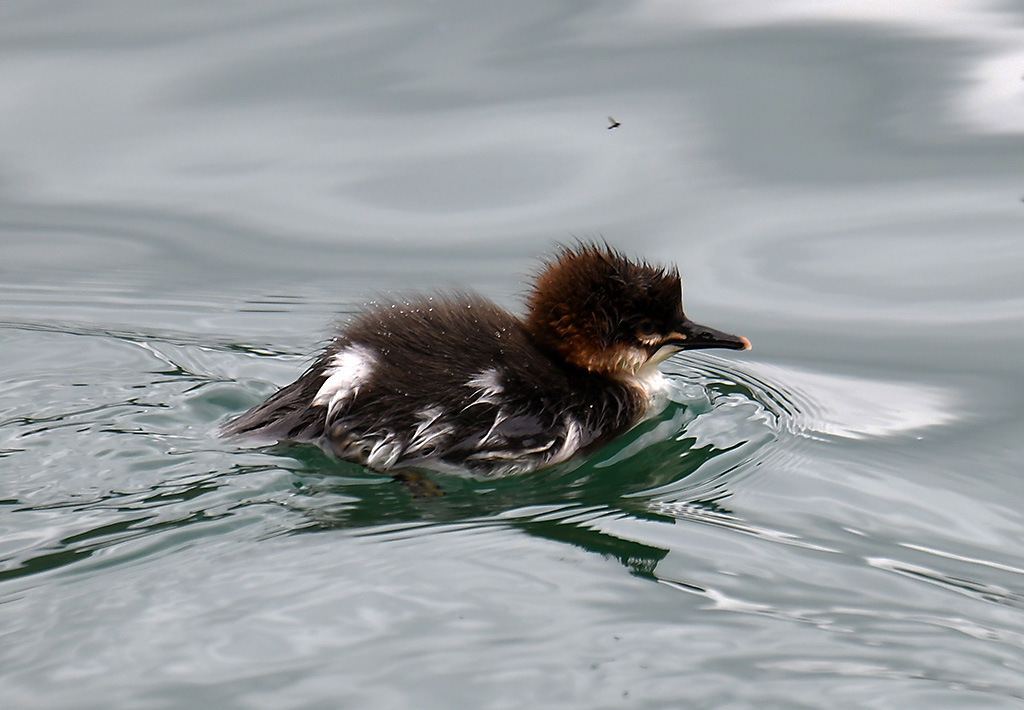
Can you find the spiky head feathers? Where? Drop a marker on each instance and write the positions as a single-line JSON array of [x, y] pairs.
[[602, 312]]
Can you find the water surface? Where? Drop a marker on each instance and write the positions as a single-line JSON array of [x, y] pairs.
[[191, 196]]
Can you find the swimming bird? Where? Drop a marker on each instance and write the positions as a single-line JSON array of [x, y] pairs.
[[456, 383]]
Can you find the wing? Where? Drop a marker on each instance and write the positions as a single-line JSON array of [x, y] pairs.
[[287, 415]]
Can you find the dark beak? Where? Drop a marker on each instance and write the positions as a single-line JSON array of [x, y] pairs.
[[693, 336]]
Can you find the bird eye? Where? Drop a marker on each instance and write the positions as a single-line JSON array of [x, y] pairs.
[[646, 328]]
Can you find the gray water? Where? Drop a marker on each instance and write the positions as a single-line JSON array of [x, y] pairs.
[[192, 193]]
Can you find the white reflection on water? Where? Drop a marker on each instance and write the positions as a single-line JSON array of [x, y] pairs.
[[776, 398], [856, 407], [990, 98], [740, 407]]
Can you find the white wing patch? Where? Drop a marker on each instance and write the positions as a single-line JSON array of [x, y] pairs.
[[572, 443], [385, 452], [350, 368], [430, 429], [487, 384], [488, 388]]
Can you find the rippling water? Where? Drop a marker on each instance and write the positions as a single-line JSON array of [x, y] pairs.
[[191, 195]]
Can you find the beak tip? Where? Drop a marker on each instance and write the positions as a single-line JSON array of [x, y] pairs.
[[745, 343]]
